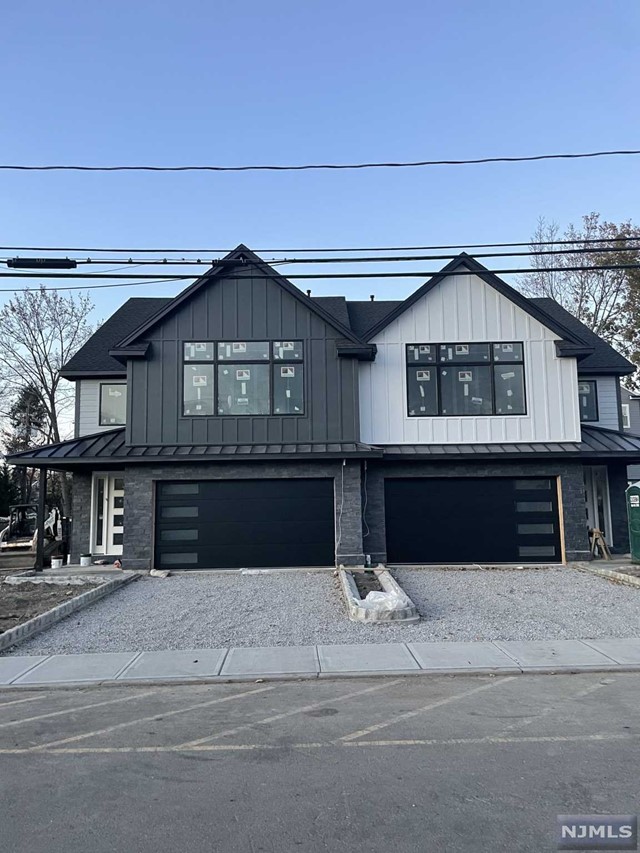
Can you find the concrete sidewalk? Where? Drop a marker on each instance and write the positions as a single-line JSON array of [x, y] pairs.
[[285, 662]]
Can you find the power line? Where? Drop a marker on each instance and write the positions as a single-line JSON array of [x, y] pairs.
[[317, 166], [148, 279], [321, 249], [379, 259]]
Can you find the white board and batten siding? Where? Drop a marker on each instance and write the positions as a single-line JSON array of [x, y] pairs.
[[88, 397], [465, 309]]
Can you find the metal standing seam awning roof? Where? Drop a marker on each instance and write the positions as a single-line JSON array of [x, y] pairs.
[[597, 442], [108, 449]]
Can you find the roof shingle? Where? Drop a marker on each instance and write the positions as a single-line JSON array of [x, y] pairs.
[[94, 355]]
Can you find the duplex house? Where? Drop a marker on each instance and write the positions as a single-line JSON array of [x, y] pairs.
[[631, 424], [245, 423]]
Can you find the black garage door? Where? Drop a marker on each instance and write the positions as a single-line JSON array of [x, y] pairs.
[[230, 524], [492, 520]]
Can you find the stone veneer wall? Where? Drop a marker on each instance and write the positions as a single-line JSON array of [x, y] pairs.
[[139, 499], [80, 515], [617, 475], [572, 488]]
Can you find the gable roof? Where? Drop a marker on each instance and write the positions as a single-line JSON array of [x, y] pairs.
[[240, 255], [572, 343], [357, 320], [604, 358], [94, 356]]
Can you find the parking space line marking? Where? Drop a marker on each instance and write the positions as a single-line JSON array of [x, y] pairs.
[[483, 741], [153, 717], [284, 714], [600, 737], [76, 709], [409, 714], [20, 701], [585, 691]]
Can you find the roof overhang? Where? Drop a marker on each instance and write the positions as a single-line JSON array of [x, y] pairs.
[[138, 350], [93, 374], [362, 352], [606, 371]]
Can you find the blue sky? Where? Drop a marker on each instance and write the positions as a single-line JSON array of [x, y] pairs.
[[293, 82]]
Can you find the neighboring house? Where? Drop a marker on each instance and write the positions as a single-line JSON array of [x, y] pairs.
[[243, 423], [631, 424]]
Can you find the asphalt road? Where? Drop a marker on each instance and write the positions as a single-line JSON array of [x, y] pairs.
[[414, 764]]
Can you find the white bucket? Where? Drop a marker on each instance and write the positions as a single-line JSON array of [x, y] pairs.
[[85, 561], [56, 562]]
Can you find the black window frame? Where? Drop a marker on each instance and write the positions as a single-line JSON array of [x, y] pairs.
[[126, 391], [271, 363], [594, 385], [437, 364]]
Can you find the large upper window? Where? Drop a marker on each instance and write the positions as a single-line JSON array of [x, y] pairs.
[[113, 404], [465, 379], [243, 378], [588, 397]]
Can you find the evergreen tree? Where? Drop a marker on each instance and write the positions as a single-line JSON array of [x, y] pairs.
[[8, 490], [26, 427]]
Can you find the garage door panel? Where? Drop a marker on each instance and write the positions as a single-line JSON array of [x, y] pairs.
[[271, 509], [229, 557], [465, 520], [244, 523]]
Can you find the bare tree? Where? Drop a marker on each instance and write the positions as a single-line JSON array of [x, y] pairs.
[[40, 331], [607, 301]]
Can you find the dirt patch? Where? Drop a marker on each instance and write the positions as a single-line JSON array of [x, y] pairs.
[[367, 582], [21, 602]]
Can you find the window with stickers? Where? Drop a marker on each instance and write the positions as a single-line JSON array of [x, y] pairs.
[[243, 378], [465, 379]]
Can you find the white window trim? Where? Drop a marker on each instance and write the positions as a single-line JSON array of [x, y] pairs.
[[626, 416]]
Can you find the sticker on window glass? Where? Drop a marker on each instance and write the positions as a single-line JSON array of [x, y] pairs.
[[584, 388], [423, 375], [465, 376], [287, 345], [243, 375], [509, 375], [113, 392], [239, 347], [199, 381], [242, 401], [507, 347], [200, 347], [462, 349], [287, 372], [424, 349]]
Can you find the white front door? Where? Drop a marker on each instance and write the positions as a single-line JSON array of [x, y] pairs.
[[597, 497], [107, 525]]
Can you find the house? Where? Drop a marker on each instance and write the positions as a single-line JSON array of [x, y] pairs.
[[630, 401], [244, 423]]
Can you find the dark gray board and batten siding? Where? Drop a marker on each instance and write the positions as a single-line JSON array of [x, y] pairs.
[[242, 307]]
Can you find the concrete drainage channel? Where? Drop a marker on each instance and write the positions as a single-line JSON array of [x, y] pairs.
[[384, 599]]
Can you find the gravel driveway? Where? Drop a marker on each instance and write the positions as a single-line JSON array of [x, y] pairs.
[[302, 608]]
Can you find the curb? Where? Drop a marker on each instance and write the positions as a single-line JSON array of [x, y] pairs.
[[610, 574], [40, 623], [326, 676], [358, 613]]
